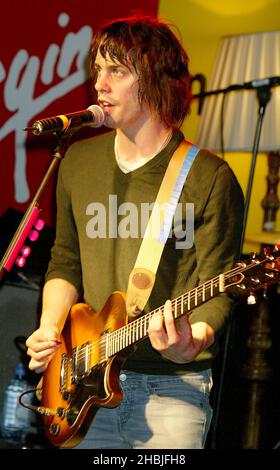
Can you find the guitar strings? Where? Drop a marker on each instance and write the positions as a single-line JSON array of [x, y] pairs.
[[131, 328], [118, 335]]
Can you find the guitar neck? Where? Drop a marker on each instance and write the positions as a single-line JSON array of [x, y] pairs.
[[137, 330], [246, 276]]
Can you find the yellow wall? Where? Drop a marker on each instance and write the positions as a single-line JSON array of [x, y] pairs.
[[202, 23]]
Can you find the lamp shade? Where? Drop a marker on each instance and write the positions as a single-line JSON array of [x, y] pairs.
[[242, 59]]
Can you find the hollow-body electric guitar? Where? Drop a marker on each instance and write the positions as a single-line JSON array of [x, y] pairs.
[[84, 373]]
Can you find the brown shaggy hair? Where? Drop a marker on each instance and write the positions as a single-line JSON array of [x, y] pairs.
[[159, 59]]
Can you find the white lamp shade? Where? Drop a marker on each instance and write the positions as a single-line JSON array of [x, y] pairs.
[[241, 59]]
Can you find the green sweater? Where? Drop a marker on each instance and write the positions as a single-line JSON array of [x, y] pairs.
[[88, 253]]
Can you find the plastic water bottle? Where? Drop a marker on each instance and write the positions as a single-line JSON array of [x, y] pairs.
[[16, 420]]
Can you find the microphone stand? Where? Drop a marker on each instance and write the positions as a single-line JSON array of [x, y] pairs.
[[32, 212], [263, 95]]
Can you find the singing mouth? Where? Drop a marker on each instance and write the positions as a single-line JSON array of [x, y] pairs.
[[106, 105]]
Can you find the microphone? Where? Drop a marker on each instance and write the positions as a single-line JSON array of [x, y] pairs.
[[257, 83], [92, 116], [269, 81]]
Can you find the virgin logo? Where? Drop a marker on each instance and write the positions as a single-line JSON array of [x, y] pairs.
[[19, 89]]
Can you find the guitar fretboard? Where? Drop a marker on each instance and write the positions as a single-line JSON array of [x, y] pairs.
[[137, 330], [88, 355]]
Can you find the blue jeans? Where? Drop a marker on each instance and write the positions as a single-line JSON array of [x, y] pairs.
[[158, 412]]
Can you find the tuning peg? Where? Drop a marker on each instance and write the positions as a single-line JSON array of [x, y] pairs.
[[266, 251], [241, 264], [251, 299]]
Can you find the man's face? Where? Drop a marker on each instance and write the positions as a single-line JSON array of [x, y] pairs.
[[117, 87]]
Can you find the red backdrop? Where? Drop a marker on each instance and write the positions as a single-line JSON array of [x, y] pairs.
[[43, 73]]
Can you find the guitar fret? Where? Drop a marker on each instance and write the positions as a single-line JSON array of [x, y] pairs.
[[131, 334], [146, 321], [109, 345], [203, 292], [175, 310], [101, 348], [141, 328], [87, 356], [118, 341], [221, 283], [128, 336], [115, 343], [112, 346], [126, 340]]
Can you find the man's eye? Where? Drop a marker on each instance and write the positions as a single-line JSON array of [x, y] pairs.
[[119, 72]]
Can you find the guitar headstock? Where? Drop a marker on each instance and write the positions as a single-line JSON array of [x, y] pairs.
[[256, 273]]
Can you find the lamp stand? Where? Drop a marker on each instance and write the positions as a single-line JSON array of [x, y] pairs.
[[271, 203], [256, 370]]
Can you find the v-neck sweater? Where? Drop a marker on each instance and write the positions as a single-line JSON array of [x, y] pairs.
[[96, 202]]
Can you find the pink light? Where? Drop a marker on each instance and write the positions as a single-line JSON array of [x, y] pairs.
[[33, 235], [25, 251], [8, 264], [39, 224], [20, 261]]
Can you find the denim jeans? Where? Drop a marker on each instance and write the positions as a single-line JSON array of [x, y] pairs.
[[158, 412]]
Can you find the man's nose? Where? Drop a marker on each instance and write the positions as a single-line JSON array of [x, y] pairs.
[[102, 82]]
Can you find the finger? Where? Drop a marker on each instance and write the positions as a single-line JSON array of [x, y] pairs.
[[38, 366], [44, 345], [156, 323], [40, 336], [157, 333], [183, 327], [169, 322], [41, 355]]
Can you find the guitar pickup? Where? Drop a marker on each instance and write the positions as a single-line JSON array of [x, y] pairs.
[[81, 363], [66, 384]]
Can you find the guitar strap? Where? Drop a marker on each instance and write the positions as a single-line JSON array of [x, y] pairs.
[[142, 277]]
